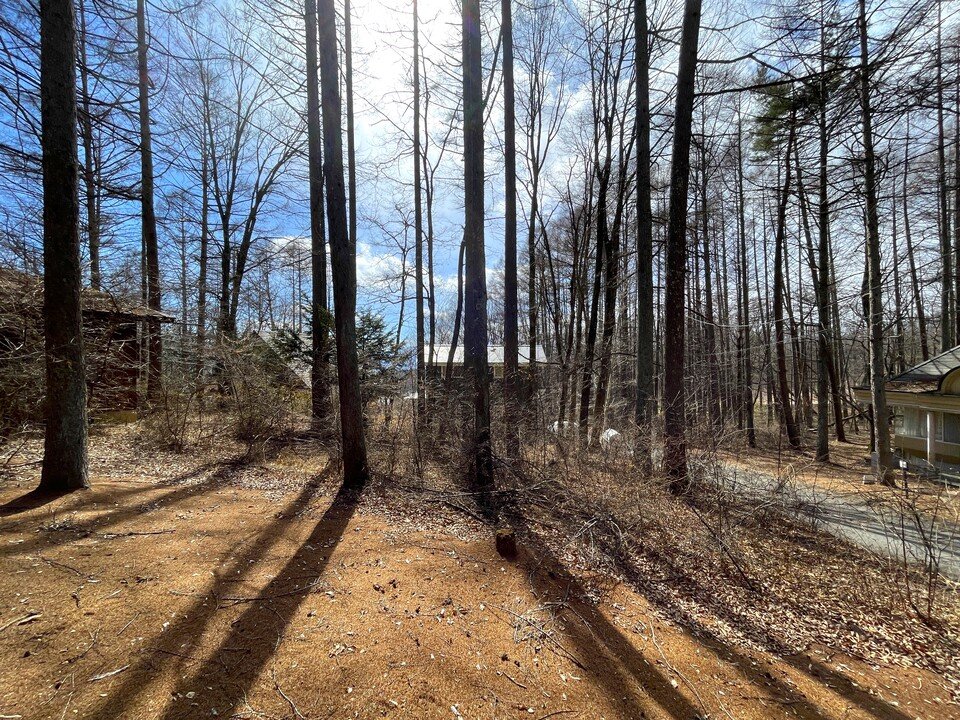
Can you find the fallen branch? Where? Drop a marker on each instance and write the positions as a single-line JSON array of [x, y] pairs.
[[28, 618], [62, 566], [293, 705], [132, 533], [104, 676], [545, 635]]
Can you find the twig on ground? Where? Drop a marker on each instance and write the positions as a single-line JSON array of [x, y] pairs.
[[291, 703], [547, 636], [671, 668], [23, 620], [129, 623], [111, 673], [132, 533], [62, 566], [515, 682]]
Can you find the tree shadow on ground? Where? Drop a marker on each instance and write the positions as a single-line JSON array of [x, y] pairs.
[[223, 473], [627, 678], [32, 500], [232, 668], [781, 692]]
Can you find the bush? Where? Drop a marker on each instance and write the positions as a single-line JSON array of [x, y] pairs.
[[259, 399]]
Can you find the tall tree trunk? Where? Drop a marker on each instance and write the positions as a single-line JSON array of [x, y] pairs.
[[92, 195], [204, 256], [709, 328], [822, 282], [532, 338], [877, 369], [475, 290], [65, 433], [351, 142], [819, 263], [746, 361], [343, 256], [611, 256], [586, 382], [783, 389], [457, 315], [955, 308], [223, 320], [511, 330], [946, 294], [674, 396], [911, 257], [418, 228], [901, 350], [431, 289], [148, 218], [319, 315], [642, 410]]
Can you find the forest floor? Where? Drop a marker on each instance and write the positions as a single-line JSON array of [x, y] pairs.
[[200, 585]]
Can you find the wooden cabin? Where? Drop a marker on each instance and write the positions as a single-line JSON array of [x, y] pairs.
[[113, 331]]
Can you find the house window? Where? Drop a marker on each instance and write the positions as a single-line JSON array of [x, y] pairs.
[[951, 428], [913, 423]]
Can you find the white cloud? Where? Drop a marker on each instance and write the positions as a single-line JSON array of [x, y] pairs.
[[375, 267]]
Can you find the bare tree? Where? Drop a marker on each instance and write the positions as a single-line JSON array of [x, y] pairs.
[[946, 262], [148, 218], [320, 392], [875, 320], [511, 338], [674, 398], [418, 226], [342, 256], [65, 436], [645, 320], [779, 324], [475, 286]]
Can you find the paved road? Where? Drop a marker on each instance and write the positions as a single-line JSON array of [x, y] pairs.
[[872, 525]]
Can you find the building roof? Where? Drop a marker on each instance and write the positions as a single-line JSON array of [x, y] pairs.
[[299, 369], [495, 354], [928, 375], [25, 292]]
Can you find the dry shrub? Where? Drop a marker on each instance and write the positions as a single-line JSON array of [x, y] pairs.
[[175, 421], [255, 393], [730, 563], [21, 361], [241, 391]]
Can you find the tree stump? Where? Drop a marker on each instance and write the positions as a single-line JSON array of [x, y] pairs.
[[506, 543]]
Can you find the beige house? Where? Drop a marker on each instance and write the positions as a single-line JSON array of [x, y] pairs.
[[925, 403], [436, 365]]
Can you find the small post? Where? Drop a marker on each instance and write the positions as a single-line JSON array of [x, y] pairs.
[[932, 437]]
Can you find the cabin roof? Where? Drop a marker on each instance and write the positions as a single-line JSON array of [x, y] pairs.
[[25, 291], [928, 376]]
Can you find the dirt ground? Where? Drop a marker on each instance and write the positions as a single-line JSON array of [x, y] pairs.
[[225, 590]]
